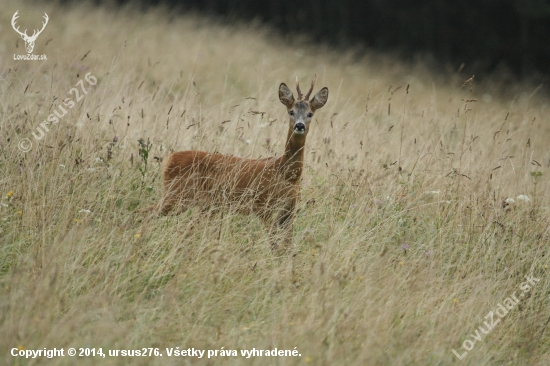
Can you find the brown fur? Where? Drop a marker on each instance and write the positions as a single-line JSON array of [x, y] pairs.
[[267, 187]]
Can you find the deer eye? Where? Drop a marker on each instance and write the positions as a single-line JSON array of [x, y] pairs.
[[309, 115], [291, 113]]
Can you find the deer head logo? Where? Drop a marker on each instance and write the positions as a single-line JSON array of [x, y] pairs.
[[29, 41]]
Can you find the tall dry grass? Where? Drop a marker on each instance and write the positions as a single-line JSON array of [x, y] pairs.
[[403, 240]]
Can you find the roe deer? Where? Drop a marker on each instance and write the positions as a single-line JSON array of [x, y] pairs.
[[267, 187]]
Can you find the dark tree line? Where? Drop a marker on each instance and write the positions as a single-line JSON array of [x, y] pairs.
[[481, 33]]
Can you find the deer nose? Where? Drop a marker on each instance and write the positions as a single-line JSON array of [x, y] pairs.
[[300, 127]]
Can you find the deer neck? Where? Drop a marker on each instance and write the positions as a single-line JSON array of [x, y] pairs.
[[293, 159]]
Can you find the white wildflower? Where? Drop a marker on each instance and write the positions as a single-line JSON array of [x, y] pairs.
[[487, 98], [523, 198]]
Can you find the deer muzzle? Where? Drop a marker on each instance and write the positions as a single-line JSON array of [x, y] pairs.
[[299, 128]]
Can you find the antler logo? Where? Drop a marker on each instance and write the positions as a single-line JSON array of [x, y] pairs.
[[29, 41]]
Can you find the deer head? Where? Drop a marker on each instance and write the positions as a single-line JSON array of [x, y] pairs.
[[301, 110], [29, 41]]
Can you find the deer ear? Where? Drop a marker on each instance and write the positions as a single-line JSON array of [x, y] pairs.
[[319, 99], [285, 95]]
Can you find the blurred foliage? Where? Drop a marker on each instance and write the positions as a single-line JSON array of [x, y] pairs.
[[533, 8], [483, 34]]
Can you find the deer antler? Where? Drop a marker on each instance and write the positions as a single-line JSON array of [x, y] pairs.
[[311, 89], [298, 89], [13, 19], [35, 34]]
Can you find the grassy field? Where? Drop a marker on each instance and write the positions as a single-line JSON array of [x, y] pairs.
[[425, 200]]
